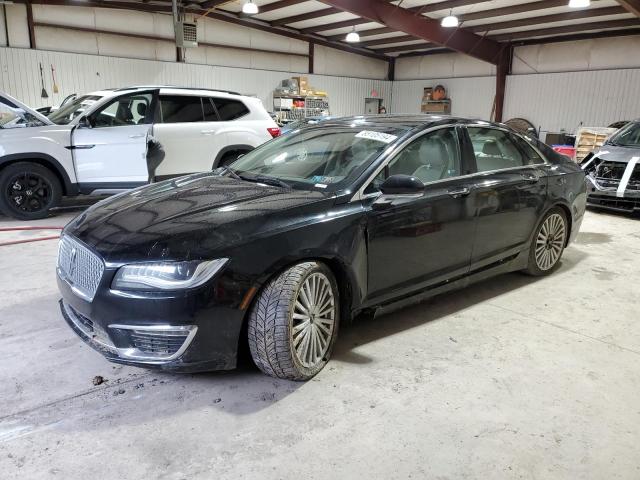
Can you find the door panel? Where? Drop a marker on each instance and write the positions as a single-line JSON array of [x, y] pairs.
[[416, 241], [509, 194], [114, 149], [190, 133], [420, 241]]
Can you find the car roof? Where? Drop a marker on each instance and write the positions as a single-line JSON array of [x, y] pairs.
[[110, 92], [410, 121]]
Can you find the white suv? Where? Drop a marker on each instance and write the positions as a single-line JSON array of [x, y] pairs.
[[97, 144]]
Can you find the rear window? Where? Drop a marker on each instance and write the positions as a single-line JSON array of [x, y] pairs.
[[181, 109], [229, 109]]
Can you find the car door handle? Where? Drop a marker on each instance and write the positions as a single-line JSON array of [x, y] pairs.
[[138, 135], [207, 132], [530, 177], [459, 192]]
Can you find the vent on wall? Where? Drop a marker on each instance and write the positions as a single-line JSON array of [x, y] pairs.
[[186, 35]]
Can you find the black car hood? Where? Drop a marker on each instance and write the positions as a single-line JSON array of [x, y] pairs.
[[614, 153], [190, 218]]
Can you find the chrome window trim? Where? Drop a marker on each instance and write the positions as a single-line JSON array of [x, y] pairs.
[[360, 195]]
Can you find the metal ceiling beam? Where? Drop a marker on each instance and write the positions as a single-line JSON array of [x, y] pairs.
[[270, 7], [388, 40], [217, 15], [408, 48], [631, 6], [513, 10], [560, 17], [582, 27], [580, 36], [306, 16], [419, 26], [213, 3]]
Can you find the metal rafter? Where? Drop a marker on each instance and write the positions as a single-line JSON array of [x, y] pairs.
[[306, 16], [631, 6], [269, 7], [419, 26], [582, 27]]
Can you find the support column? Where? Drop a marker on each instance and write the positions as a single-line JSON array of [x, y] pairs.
[[312, 46], [32, 30], [503, 69]]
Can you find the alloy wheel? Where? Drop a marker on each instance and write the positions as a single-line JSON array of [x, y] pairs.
[[550, 242], [29, 192], [313, 320]]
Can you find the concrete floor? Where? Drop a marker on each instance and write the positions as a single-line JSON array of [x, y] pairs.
[[511, 378]]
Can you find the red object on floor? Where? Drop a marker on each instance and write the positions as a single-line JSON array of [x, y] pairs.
[[28, 240], [567, 150]]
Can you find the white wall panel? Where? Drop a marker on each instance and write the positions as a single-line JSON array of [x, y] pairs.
[[594, 54], [555, 101], [79, 73], [329, 61], [470, 97], [442, 66], [17, 23]]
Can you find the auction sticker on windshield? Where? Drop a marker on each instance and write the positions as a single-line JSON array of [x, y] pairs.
[[377, 136]]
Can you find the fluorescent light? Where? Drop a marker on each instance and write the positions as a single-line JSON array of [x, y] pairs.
[[579, 3], [353, 36], [250, 8], [450, 20]]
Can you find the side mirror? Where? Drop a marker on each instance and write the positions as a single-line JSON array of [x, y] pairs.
[[402, 185], [85, 122]]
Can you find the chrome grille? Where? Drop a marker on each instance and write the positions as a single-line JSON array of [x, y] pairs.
[[79, 267]]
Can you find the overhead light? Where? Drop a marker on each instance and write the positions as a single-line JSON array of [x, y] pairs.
[[353, 36], [579, 3], [250, 8], [450, 20]]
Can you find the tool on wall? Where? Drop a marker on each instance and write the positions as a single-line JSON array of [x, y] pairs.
[[44, 93], [53, 77]]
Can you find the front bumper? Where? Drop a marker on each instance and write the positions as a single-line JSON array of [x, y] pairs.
[[187, 331], [607, 197]]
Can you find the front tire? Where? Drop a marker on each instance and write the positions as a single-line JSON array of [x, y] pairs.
[[28, 191], [548, 243], [294, 322]]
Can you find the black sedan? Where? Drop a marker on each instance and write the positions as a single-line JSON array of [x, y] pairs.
[[354, 215]]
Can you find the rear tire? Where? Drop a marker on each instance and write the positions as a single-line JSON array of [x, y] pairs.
[[548, 243], [293, 323], [28, 191]]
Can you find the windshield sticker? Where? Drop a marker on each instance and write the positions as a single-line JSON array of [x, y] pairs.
[[320, 185], [301, 155], [377, 136]]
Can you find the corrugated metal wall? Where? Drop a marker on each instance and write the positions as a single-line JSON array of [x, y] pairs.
[[470, 97], [79, 73], [555, 101]]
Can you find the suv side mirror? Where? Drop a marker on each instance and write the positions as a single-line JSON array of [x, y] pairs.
[[402, 185], [85, 122]]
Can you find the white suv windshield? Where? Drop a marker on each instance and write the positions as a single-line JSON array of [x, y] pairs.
[[14, 117], [71, 110]]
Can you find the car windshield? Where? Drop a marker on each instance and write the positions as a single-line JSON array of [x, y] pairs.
[[325, 158], [71, 110], [14, 117], [628, 136]]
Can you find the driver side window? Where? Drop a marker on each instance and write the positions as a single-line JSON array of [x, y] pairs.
[[432, 157], [123, 111]]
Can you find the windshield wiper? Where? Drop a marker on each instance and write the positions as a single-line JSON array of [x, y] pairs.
[[231, 173], [266, 180]]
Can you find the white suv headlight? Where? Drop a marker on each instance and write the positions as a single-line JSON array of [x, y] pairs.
[[166, 275]]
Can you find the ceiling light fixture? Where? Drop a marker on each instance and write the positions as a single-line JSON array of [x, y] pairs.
[[450, 20], [353, 36], [250, 8], [579, 3]]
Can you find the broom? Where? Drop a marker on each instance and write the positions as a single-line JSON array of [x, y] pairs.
[[53, 77], [44, 93]]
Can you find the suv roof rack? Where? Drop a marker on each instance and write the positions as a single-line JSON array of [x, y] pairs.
[[123, 89]]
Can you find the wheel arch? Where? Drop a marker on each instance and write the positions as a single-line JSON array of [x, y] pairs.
[[240, 148], [47, 161]]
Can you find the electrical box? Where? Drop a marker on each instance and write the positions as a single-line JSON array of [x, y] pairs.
[[186, 35]]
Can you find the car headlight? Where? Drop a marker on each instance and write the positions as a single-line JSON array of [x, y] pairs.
[[166, 275]]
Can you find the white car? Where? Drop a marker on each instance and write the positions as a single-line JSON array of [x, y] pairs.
[[97, 144]]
